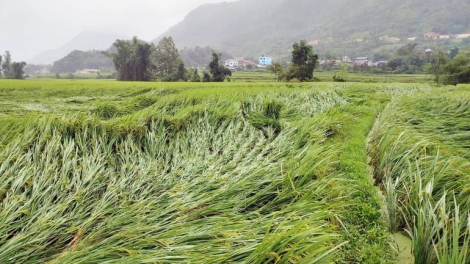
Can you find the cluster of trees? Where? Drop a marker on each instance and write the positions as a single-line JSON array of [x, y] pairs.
[[9, 69], [217, 71], [137, 60], [302, 66], [408, 60], [78, 60], [449, 68]]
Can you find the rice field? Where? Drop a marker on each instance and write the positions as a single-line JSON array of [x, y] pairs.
[[107, 172]]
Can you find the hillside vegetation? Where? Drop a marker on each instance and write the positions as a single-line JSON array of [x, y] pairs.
[[251, 27]]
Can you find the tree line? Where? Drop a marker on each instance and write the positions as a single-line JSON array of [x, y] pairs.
[[137, 60], [10, 69]]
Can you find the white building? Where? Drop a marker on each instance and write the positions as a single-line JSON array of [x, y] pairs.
[[231, 64]]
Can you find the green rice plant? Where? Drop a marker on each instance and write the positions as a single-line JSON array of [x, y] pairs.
[[452, 245], [391, 188], [418, 159], [106, 111], [80, 190]]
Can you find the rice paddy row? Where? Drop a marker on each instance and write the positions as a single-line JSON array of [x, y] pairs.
[[420, 149], [99, 171]]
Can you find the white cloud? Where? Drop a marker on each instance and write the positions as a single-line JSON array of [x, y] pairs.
[[28, 27]]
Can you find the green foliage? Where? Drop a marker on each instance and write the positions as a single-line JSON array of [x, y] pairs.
[[282, 22], [218, 71], [437, 61], [195, 76], [278, 70], [168, 64], [106, 111], [79, 60], [10, 69], [102, 171], [458, 69], [304, 62], [17, 70], [409, 60], [132, 60], [6, 66], [419, 153], [200, 56], [342, 74], [206, 77]]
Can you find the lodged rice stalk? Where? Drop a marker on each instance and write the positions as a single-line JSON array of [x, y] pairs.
[[420, 155], [185, 183]]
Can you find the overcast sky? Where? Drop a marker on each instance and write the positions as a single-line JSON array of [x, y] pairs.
[[28, 27]]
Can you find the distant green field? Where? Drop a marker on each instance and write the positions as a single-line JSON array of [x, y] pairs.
[[103, 171], [260, 76], [328, 77]]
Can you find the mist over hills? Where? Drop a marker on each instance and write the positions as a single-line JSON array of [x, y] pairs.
[[251, 27], [87, 40], [247, 28]]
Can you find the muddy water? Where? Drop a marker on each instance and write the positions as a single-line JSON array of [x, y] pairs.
[[404, 248]]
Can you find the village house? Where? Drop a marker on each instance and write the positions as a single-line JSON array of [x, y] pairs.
[[462, 36], [431, 35], [314, 42], [264, 61], [231, 64], [87, 71], [245, 63], [361, 60], [346, 59], [43, 71]]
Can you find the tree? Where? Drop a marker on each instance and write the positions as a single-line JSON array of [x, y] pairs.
[[206, 77], [458, 69], [1, 66], [195, 77], [304, 62], [437, 61], [17, 70], [277, 70], [132, 60], [167, 60], [6, 66], [218, 71]]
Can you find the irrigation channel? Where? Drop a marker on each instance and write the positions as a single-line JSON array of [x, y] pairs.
[[402, 243]]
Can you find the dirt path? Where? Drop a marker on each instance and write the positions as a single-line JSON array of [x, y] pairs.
[[401, 243]]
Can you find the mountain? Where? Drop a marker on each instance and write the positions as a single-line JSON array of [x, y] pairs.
[[200, 56], [79, 60], [252, 27], [87, 40]]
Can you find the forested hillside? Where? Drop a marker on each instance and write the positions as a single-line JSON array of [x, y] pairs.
[[249, 27], [79, 60], [200, 56], [87, 40]]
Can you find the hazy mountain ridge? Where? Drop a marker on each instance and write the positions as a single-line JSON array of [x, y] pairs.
[[249, 27], [85, 41]]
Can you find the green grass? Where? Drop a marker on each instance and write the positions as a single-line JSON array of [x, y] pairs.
[[327, 76], [103, 171]]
